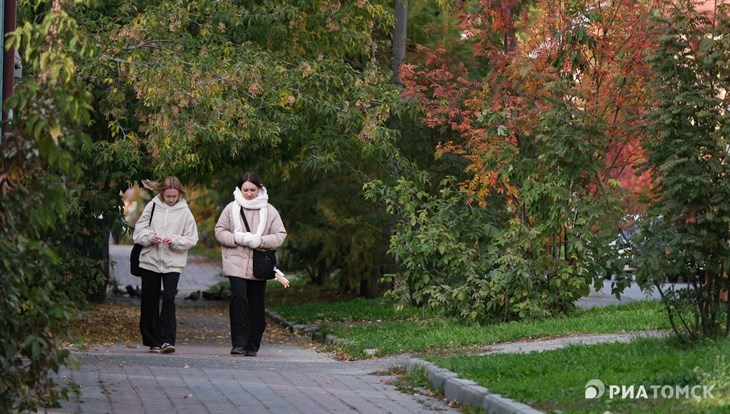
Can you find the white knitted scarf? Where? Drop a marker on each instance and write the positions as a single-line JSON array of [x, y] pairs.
[[259, 203]]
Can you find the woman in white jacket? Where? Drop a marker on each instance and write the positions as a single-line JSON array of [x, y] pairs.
[[247, 307], [166, 240]]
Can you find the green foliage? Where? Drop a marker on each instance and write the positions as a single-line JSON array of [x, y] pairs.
[[442, 247], [34, 310], [204, 85], [459, 259], [48, 234], [296, 91], [685, 231]]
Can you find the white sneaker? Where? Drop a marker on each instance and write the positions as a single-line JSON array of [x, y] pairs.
[[168, 348]]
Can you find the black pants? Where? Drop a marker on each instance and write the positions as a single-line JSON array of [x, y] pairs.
[[247, 313], [158, 325]]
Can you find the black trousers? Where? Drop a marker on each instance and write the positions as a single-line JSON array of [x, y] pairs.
[[247, 312], [158, 325]]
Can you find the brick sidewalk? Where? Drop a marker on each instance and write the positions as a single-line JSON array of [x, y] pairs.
[[205, 379]]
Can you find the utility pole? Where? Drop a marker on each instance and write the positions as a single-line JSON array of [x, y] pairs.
[[9, 17], [400, 38], [2, 56]]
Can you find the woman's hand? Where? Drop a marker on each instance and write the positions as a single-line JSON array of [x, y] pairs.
[[161, 240], [253, 241], [281, 279], [240, 238]]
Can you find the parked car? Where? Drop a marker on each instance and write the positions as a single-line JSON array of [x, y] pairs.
[[625, 246]]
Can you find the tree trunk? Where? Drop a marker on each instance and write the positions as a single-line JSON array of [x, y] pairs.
[[400, 35]]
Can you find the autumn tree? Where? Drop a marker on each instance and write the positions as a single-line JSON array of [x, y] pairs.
[[544, 132]]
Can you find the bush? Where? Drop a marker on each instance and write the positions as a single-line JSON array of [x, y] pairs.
[[455, 258]]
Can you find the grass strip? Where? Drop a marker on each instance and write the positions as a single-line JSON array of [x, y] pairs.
[[424, 335], [358, 309], [555, 381]]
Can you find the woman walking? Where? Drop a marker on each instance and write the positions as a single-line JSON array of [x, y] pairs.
[[167, 230], [250, 208]]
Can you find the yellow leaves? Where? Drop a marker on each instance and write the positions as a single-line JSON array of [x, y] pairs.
[[10, 179], [286, 100], [192, 159], [56, 132]]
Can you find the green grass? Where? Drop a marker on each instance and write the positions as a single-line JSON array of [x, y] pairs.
[[552, 381], [556, 380], [375, 324], [353, 310]]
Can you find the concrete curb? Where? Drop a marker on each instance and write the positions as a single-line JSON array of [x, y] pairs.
[[467, 392], [463, 391], [307, 329], [296, 328]]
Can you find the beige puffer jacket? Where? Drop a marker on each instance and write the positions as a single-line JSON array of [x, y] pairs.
[[238, 260], [176, 222]]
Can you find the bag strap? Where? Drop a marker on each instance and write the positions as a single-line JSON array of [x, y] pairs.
[[152, 214], [245, 222]]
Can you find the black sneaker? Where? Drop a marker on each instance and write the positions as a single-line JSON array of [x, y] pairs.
[[155, 349], [237, 350], [250, 353], [167, 348]]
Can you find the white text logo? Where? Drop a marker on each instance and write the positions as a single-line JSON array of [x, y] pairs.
[[595, 388]]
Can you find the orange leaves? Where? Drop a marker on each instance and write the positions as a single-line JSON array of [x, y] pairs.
[[582, 62]]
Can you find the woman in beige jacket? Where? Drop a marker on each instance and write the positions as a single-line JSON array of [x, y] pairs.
[[247, 306], [166, 239]]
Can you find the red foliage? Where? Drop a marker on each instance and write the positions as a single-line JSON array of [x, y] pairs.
[[601, 47]]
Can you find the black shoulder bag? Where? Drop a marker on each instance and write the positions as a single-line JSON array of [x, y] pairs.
[[264, 261], [136, 250]]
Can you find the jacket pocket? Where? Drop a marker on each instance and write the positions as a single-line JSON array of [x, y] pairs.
[[177, 260]]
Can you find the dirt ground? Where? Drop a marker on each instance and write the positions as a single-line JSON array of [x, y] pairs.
[[198, 322]]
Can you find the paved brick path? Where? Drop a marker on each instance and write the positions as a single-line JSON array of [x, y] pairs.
[[202, 378], [205, 379]]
